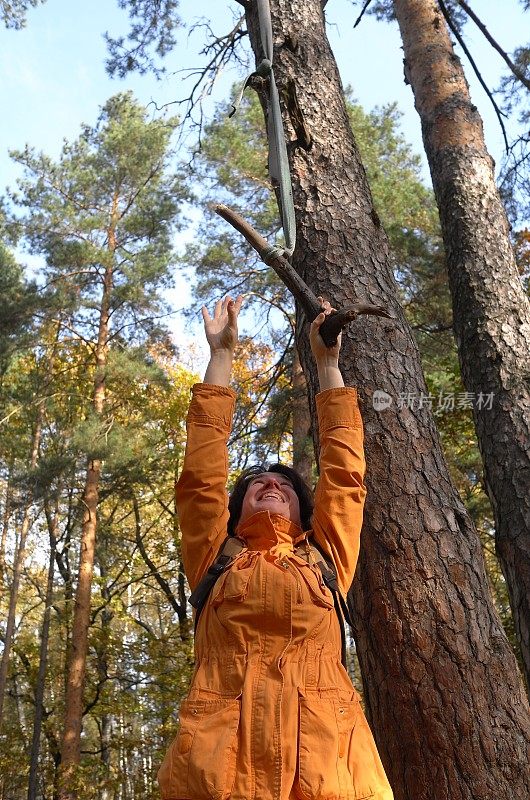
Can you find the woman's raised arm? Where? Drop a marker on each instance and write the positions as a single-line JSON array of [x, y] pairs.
[[200, 493], [221, 333], [340, 493]]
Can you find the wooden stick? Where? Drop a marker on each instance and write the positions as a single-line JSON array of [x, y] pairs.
[[337, 320]]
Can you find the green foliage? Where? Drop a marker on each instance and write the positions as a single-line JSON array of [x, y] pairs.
[[103, 216], [140, 660], [19, 300], [110, 202], [153, 26]]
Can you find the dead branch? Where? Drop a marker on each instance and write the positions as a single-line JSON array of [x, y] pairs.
[[361, 15], [220, 50], [308, 301], [480, 25]]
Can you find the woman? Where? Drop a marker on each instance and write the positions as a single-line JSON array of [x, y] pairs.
[[271, 713]]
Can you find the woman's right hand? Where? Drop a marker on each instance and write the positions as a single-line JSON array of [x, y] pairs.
[[221, 328]]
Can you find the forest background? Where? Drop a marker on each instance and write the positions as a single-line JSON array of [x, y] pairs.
[[140, 643]]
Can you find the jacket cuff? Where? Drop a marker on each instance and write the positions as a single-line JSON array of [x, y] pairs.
[[213, 405], [338, 408]]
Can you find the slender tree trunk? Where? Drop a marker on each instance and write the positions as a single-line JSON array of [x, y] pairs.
[[5, 523], [303, 452], [441, 683], [71, 742], [491, 312], [103, 659], [17, 569], [62, 559], [43, 658]]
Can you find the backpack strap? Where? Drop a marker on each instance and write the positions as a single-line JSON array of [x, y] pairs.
[[231, 547], [312, 553]]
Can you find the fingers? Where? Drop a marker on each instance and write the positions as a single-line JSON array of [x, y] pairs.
[[224, 310], [326, 305], [234, 307], [317, 322]]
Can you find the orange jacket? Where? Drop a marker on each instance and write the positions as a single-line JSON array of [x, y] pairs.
[[271, 713]]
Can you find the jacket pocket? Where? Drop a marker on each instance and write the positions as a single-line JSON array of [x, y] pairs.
[[201, 762], [327, 728], [233, 585]]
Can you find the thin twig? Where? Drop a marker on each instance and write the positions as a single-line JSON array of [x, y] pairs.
[[361, 15], [480, 25]]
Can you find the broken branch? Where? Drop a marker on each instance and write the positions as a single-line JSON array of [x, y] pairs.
[[308, 301]]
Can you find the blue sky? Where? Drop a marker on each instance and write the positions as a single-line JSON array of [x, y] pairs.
[[53, 71]]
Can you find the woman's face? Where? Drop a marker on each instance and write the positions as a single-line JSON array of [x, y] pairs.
[[273, 492]]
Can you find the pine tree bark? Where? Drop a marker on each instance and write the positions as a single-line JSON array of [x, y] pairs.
[[17, 568], [71, 741], [442, 688], [491, 312]]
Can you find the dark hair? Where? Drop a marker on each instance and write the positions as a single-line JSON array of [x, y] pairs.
[[303, 492]]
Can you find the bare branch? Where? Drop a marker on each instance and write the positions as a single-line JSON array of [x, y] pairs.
[[303, 294], [480, 25], [361, 15], [164, 585], [220, 50]]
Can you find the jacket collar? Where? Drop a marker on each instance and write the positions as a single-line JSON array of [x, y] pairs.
[[264, 531]]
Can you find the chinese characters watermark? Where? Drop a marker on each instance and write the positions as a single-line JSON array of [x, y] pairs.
[[444, 401]]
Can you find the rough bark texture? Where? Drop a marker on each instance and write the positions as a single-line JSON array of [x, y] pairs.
[[491, 311], [442, 687]]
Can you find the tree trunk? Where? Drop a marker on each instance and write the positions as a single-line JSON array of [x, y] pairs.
[[103, 661], [491, 312], [71, 742], [5, 522], [17, 568], [441, 683], [303, 452], [43, 658]]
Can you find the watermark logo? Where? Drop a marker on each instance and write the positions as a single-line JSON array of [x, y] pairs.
[[445, 401], [381, 400]]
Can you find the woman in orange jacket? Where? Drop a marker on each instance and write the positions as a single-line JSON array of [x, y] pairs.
[[271, 713]]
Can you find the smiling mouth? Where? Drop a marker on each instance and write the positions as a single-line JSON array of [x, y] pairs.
[[272, 497]]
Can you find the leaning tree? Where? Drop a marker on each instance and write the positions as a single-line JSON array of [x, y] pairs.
[[491, 311]]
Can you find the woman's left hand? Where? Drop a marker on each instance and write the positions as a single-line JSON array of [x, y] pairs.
[[318, 347]]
